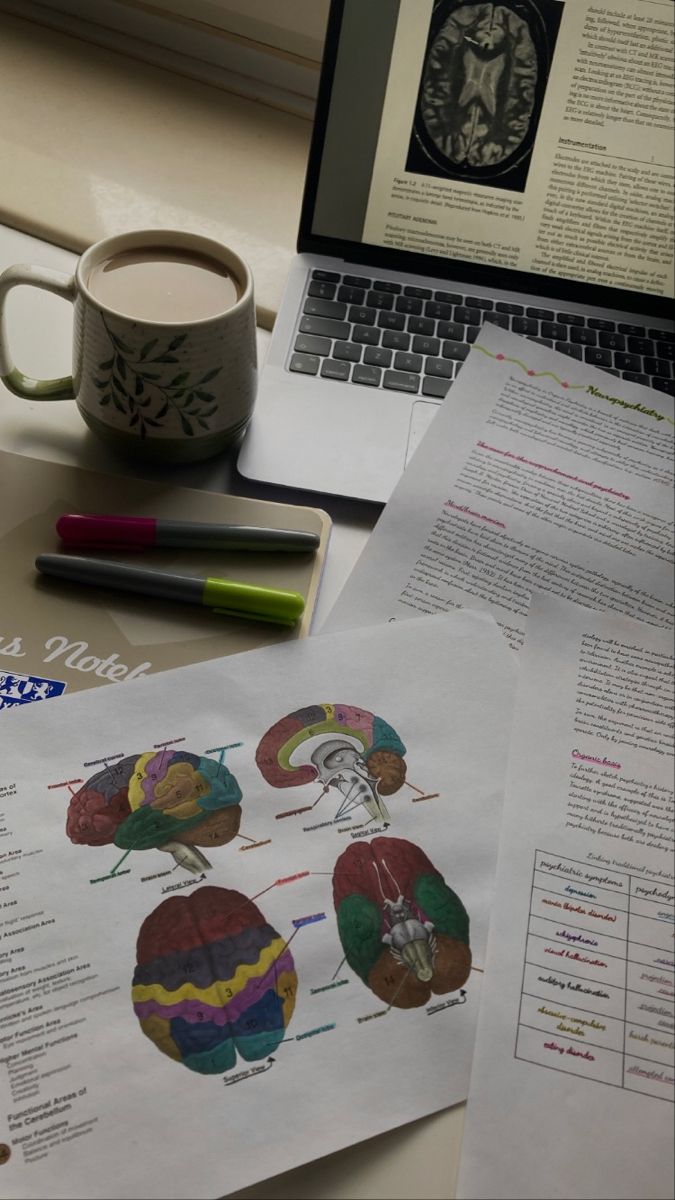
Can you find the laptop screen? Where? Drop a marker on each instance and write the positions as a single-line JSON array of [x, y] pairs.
[[523, 143]]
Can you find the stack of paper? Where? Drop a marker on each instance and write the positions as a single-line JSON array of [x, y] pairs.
[[245, 903], [542, 477]]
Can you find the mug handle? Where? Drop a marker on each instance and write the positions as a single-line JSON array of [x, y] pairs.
[[15, 380]]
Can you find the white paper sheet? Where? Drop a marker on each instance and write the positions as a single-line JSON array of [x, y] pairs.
[[572, 1086], [538, 473], [89, 1106]]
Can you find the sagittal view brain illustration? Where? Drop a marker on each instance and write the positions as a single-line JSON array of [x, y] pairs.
[[171, 800], [482, 85], [213, 980], [403, 930], [346, 749]]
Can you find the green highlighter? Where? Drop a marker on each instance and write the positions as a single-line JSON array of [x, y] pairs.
[[225, 596]]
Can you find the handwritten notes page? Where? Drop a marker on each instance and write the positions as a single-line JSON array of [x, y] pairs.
[[572, 1086], [244, 907], [538, 473]]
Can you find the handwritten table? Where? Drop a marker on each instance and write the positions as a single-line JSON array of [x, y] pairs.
[[597, 991]]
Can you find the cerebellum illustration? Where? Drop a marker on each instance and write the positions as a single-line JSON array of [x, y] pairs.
[[403, 930], [481, 91], [346, 749], [170, 800], [213, 980]]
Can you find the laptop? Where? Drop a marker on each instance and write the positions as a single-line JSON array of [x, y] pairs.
[[471, 160]]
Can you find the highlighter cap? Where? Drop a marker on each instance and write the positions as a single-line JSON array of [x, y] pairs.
[[226, 596], [97, 530]]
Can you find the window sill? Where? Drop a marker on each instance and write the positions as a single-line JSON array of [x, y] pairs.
[[93, 143]]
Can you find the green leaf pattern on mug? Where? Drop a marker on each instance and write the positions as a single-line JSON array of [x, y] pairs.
[[128, 383]]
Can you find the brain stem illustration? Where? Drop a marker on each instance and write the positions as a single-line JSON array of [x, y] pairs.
[[410, 940], [188, 857], [340, 766]]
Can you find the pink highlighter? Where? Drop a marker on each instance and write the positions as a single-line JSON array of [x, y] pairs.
[[97, 531]]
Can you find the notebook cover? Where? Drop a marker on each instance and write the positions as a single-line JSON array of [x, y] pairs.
[[57, 636]]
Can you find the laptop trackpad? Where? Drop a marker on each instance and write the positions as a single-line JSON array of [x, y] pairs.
[[420, 419]]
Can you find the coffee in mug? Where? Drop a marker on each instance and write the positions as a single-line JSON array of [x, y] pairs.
[[164, 345], [160, 283]]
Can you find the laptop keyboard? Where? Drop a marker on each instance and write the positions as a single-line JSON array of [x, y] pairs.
[[414, 339]]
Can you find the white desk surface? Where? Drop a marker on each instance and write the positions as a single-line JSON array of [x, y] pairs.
[[416, 1162]]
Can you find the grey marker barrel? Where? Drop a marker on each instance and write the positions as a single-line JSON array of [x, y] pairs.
[[232, 537], [99, 573]]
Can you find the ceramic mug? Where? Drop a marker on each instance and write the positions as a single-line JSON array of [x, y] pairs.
[[164, 391]]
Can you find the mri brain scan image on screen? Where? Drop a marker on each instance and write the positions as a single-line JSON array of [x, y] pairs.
[[481, 90]]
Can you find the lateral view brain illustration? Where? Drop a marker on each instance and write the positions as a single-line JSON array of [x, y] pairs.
[[344, 748], [213, 980], [403, 930], [168, 799]]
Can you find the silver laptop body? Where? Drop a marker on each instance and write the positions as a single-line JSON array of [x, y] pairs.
[[368, 342]]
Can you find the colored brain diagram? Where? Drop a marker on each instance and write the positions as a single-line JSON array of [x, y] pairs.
[[163, 799], [214, 981], [403, 930], [345, 749]]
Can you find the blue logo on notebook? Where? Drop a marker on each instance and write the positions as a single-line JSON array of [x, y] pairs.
[[22, 689]]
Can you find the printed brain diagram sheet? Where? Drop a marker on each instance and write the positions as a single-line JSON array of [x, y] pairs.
[[573, 1078], [244, 906]]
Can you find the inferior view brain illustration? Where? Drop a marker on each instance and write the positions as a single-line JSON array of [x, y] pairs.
[[403, 930], [154, 798], [214, 980]]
